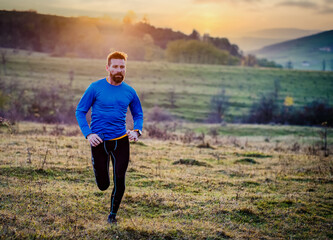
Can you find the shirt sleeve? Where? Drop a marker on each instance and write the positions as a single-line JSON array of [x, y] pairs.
[[82, 108], [136, 110]]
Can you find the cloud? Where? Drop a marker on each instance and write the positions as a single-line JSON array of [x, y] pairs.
[[323, 8], [93, 1], [299, 4], [326, 10], [221, 1], [326, 7]]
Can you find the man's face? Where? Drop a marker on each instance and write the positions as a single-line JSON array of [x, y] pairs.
[[117, 70]]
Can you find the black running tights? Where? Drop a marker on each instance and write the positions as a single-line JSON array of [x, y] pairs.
[[118, 151]]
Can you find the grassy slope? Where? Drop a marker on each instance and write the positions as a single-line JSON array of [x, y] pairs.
[[302, 49], [194, 85], [282, 195]]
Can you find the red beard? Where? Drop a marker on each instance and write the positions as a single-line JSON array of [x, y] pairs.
[[118, 78]]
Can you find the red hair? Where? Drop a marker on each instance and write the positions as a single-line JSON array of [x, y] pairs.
[[116, 55]]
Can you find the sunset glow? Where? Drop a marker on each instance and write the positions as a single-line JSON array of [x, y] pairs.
[[223, 18]]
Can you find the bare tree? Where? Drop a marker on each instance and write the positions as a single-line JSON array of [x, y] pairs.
[[71, 77], [214, 133], [4, 60], [289, 65], [323, 136], [172, 97], [219, 106], [250, 60], [277, 87]]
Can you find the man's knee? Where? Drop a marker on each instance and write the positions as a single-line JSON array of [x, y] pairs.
[[103, 187]]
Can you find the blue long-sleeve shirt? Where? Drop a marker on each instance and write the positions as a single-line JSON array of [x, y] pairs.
[[109, 105]]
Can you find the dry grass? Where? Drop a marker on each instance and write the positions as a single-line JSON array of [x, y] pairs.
[[48, 190]]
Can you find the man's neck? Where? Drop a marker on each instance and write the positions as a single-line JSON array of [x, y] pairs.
[[109, 80]]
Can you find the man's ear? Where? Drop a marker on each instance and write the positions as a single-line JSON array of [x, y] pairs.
[[107, 68]]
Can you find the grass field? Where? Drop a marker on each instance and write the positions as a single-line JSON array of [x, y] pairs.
[[240, 187], [196, 181], [193, 85]]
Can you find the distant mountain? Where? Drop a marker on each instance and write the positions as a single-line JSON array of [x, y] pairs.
[[258, 39], [248, 44], [283, 33], [313, 52]]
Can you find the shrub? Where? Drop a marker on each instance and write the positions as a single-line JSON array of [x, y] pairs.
[[157, 114], [154, 131], [191, 162], [194, 51], [219, 105], [264, 111], [51, 105], [267, 110]]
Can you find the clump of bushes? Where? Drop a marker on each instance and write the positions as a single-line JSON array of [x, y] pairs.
[[163, 133], [255, 154], [191, 162], [266, 110], [49, 105], [246, 161], [157, 114]]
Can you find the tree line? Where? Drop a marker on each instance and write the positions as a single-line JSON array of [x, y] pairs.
[[94, 37]]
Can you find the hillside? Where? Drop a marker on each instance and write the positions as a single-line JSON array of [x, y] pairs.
[[92, 37], [252, 41], [185, 90], [306, 53]]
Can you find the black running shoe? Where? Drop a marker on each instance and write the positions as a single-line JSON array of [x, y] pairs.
[[112, 219]]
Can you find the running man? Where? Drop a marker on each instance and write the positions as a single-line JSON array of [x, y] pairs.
[[109, 99]]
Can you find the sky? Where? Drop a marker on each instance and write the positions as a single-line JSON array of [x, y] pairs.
[[220, 18]]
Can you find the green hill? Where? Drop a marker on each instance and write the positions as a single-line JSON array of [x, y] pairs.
[[308, 53]]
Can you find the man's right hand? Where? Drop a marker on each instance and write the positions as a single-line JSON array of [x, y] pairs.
[[94, 139]]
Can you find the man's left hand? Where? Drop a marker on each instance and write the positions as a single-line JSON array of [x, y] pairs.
[[133, 135]]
